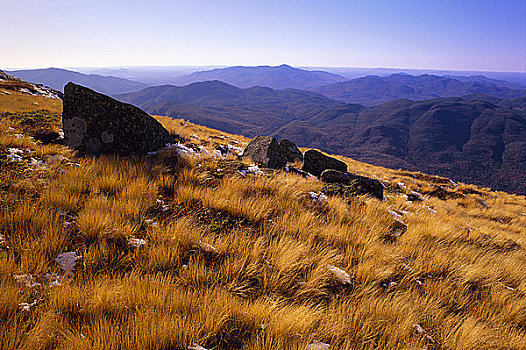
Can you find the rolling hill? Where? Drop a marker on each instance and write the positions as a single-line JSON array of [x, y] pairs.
[[375, 90], [56, 78], [468, 140], [275, 77], [251, 111]]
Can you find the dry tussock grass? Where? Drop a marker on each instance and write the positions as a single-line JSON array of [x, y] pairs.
[[15, 102], [242, 262]]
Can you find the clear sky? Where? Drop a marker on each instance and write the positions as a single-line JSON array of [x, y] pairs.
[[435, 34]]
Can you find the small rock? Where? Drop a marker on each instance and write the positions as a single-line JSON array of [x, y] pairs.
[[415, 197], [341, 275], [136, 242], [27, 279], [27, 306], [318, 197], [482, 202], [318, 345], [315, 162], [195, 346], [291, 152], [67, 260]]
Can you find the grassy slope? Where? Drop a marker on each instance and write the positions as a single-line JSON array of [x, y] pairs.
[[235, 262]]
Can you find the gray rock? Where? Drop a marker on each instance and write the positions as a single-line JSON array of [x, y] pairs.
[[366, 185], [335, 176], [316, 162], [265, 151], [94, 123], [291, 152]]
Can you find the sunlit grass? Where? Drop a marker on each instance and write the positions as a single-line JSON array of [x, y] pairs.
[[174, 255]]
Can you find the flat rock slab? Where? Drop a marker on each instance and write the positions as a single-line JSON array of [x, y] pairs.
[[96, 124], [290, 151], [265, 151], [315, 162]]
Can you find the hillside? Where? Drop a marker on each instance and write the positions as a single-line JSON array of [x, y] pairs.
[[251, 111], [375, 90], [465, 139], [56, 78], [277, 77], [180, 250]]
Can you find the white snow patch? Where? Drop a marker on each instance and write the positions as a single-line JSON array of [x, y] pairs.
[[401, 185]]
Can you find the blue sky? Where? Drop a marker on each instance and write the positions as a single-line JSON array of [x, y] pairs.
[[435, 34]]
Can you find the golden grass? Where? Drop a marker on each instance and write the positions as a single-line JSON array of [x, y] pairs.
[[15, 102], [241, 262]]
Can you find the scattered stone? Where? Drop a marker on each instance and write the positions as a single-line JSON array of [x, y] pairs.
[[482, 202], [27, 306], [318, 197], [415, 197], [54, 279], [265, 151], [206, 247], [151, 223], [318, 345], [67, 261], [291, 152], [315, 162], [340, 275], [136, 242], [196, 346], [27, 279], [335, 176], [396, 216], [431, 210], [95, 123]]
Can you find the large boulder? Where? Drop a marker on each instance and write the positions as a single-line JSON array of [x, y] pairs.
[[265, 151], [315, 162], [335, 176], [366, 185], [95, 123], [352, 184], [291, 152]]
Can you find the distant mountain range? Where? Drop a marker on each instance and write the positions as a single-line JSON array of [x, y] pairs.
[[278, 77], [467, 139], [375, 90], [56, 78], [251, 111]]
